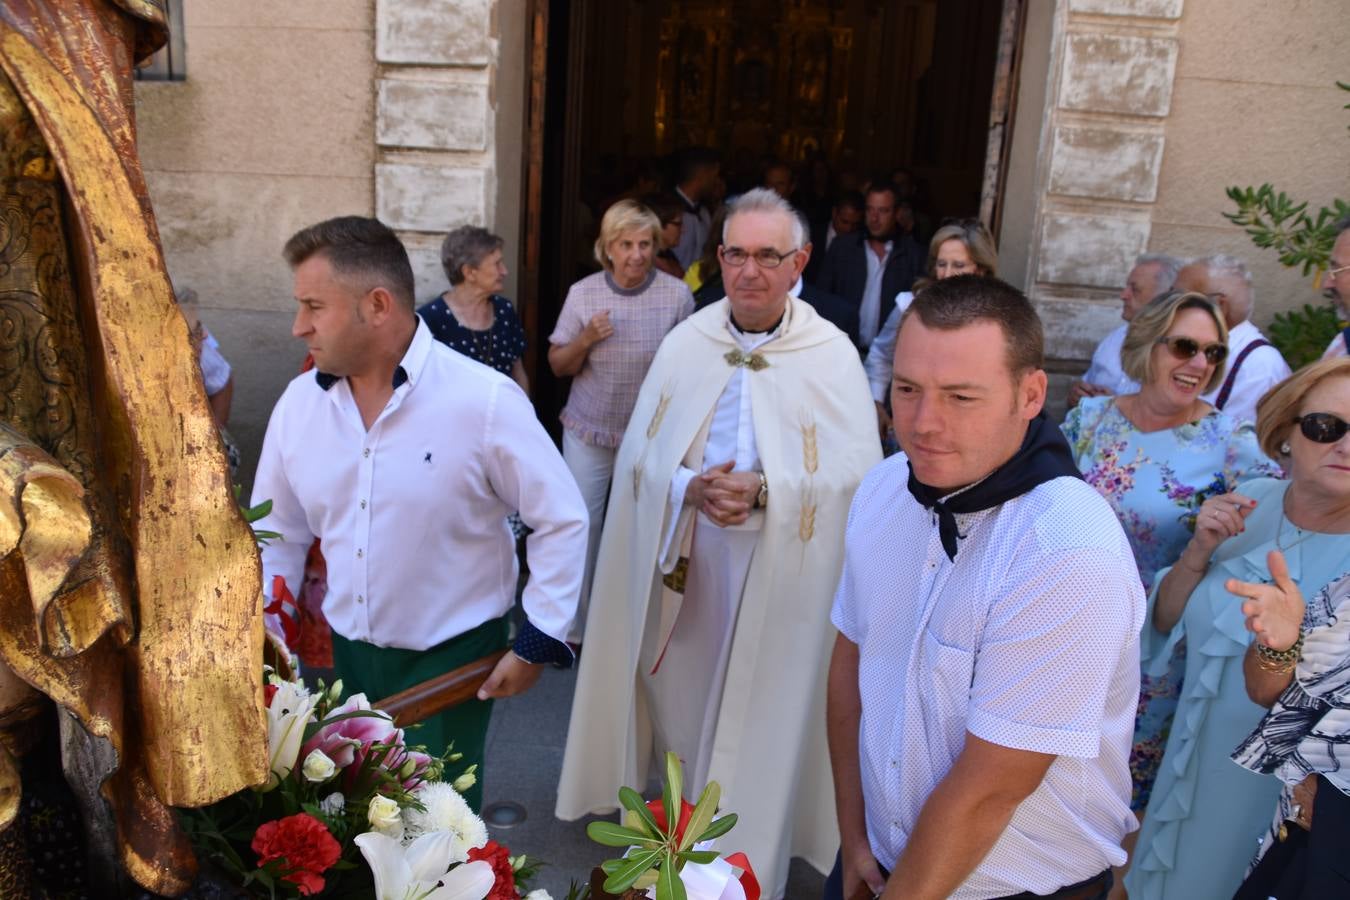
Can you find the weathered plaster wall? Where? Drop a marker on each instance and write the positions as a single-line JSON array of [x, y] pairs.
[[272, 130], [1148, 111]]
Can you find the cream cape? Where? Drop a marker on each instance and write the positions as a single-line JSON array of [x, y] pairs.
[[815, 426]]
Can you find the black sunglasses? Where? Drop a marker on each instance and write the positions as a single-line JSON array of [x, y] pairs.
[[1185, 348], [1322, 428]]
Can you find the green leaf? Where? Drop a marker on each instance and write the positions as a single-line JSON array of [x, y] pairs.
[[669, 886], [698, 857], [718, 828], [703, 814], [672, 792], [633, 867], [633, 802], [613, 835]]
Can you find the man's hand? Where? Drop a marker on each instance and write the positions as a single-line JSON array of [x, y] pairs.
[[730, 496], [697, 489], [1080, 389], [883, 420], [862, 874], [598, 328], [511, 676]]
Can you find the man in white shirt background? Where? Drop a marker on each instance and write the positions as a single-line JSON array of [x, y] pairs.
[[1153, 273], [1336, 287], [983, 685], [405, 458], [1254, 365]]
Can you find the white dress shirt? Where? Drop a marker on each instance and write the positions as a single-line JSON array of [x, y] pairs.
[[1029, 640], [412, 513], [1105, 370], [880, 362], [1260, 371], [869, 308]]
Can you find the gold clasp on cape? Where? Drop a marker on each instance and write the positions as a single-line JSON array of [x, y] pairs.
[[752, 361]]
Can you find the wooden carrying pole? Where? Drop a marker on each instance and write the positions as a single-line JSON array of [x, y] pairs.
[[422, 701]]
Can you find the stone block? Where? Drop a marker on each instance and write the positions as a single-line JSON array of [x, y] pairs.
[[1073, 328], [1106, 163], [424, 252], [1089, 250], [1152, 9], [429, 198], [1111, 73], [433, 32], [431, 115]]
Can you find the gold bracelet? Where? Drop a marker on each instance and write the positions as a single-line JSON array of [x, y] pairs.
[[1279, 662]]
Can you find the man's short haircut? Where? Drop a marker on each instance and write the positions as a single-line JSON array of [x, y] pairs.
[[666, 206], [1223, 264], [883, 187], [964, 300], [1153, 321], [765, 200], [467, 245], [362, 250], [689, 161], [1168, 267], [850, 200]]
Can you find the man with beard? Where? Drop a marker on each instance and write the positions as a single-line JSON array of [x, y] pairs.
[[870, 268], [1338, 287]]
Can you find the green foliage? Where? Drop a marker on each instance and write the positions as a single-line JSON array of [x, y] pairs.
[[1274, 221], [1302, 335], [658, 848], [253, 514]]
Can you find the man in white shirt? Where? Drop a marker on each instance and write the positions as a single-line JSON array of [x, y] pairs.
[[697, 172], [1153, 274], [708, 629], [1337, 287], [405, 458], [1254, 365], [984, 680]]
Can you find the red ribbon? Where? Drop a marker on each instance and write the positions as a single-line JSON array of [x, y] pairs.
[[281, 598], [749, 883]]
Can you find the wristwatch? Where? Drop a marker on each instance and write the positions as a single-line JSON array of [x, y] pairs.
[[762, 498]]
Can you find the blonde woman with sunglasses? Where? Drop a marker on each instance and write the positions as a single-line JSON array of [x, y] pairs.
[[1156, 456]]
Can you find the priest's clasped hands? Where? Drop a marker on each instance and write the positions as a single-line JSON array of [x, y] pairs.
[[722, 495]]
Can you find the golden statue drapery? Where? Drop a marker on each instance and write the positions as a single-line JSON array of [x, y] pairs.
[[129, 583]]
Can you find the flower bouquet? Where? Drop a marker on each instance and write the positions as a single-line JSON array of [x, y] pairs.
[[669, 846], [350, 809]]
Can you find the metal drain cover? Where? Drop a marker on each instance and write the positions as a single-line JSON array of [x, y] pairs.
[[504, 814]]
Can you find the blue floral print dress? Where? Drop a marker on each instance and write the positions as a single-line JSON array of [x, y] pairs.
[[1155, 482]]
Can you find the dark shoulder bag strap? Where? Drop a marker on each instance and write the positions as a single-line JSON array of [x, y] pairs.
[[1222, 400]]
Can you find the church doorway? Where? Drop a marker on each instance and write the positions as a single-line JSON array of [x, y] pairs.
[[844, 91]]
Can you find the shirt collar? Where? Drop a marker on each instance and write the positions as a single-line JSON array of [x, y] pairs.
[[689, 205], [796, 289], [409, 368]]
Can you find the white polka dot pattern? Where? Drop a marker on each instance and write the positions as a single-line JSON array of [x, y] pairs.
[[1029, 640]]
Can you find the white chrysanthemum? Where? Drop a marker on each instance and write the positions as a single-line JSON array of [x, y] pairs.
[[445, 811]]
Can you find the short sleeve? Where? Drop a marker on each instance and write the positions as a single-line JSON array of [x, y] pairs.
[[844, 612], [1051, 651], [1245, 461], [569, 321]]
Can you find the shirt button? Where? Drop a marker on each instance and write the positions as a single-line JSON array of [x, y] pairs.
[[360, 599], [367, 452], [360, 553], [363, 504]]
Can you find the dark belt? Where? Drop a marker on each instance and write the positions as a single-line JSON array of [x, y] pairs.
[[1091, 889]]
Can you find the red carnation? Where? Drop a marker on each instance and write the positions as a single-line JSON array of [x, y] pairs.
[[304, 847], [504, 887]]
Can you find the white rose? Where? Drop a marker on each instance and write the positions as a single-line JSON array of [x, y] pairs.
[[318, 767], [385, 816], [333, 804]]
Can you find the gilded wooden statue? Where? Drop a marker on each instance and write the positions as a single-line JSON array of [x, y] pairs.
[[129, 583]]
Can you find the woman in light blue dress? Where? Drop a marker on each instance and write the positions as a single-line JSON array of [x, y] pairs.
[[1156, 456]]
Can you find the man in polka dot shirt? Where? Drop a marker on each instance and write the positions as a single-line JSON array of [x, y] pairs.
[[983, 683]]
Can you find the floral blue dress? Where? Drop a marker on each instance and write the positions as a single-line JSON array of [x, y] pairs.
[[1155, 482]]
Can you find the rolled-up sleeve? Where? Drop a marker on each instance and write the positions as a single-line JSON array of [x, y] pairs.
[[284, 556], [1050, 652], [526, 471]]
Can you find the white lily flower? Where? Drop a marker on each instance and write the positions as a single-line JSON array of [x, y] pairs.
[[421, 871], [290, 711]]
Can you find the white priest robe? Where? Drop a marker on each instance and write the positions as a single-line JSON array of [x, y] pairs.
[[814, 436]]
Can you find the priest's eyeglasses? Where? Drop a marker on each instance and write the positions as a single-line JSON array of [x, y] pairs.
[[765, 258], [1185, 348]]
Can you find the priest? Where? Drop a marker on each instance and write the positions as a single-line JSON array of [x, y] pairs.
[[721, 551]]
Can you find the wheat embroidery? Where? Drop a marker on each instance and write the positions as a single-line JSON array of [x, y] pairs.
[[660, 413], [810, 450]]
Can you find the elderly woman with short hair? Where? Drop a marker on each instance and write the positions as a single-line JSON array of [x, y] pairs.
[[472, 317], [607, 333], [1156, 456]]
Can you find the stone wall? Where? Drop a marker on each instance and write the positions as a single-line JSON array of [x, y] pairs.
[[1133, 118]]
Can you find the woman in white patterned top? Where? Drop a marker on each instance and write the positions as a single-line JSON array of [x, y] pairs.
[[607, 333]]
